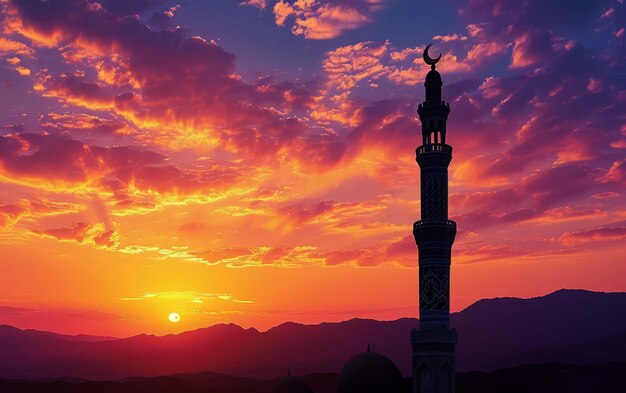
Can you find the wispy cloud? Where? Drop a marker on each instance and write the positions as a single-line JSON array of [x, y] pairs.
[[190, 296]]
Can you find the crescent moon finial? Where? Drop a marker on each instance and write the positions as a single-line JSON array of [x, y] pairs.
[[429, 60]]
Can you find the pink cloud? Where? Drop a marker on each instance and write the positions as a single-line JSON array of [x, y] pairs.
[[522, 56], [260, 4], [482, 51], [600, 234], [58, 160], [450, 37], [324, 20], [617, 172]]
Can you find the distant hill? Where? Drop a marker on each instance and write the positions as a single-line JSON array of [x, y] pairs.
[[538, 378], [7, 331], [573, 326]]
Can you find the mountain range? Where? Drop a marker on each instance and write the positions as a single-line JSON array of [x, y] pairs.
[[568, 326]]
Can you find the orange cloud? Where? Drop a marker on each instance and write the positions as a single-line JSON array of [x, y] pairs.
[[83, 122], [10, 47], [349, 65], [12, 213], [81, 232], [9, 214], [325, 20]]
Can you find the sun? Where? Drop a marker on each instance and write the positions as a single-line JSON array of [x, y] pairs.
[[174, 317]]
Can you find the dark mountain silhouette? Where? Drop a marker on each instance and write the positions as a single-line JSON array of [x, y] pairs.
[[10, 331], [539, 378], [492, 332], [578, 327]]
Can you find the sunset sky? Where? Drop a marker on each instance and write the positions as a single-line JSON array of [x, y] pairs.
[[254, 161]]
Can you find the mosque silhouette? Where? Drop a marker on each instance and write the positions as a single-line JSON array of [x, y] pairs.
[[433, 344]]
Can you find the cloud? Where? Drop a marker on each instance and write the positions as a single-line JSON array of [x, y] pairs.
[[476, 252], [348, 65], [617, 172], [399, 251], [531, 47], [599, 234], [319, 20], [10, 47], [78, 91], [127, 8], [470, 252], [239, 257], [541, 196], [536, 128], [9, 214], [450, 37], [64, 162], [77, 232], [260, 4], [535, 12], [369, 62], [81, 232], [190, 296], [172, 83], [74, 123], [92, 315], [163, 19], [351, 209], [12, 213]]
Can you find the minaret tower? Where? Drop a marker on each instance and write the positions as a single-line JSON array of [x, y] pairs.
[[434, 342]]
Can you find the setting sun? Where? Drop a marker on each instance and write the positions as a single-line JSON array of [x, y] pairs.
[[174, 317]]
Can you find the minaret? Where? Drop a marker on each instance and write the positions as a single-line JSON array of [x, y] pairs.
[[434, 342]]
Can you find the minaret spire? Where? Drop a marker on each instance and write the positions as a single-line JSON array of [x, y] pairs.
[[434, 342]]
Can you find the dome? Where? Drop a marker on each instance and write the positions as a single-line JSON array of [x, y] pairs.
[[370, 372], [291, 384], [433, 86], [433, 76]]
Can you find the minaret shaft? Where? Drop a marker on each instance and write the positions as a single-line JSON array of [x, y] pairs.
[[434, 343]]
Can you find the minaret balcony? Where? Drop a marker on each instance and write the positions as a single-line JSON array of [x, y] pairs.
[[434, 147], [424, 223], [434, 230], [433, 155]]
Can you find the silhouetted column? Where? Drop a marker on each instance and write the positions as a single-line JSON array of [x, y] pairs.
[[434, 342]]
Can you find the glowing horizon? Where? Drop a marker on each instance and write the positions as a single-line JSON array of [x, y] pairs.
[[253, 161]]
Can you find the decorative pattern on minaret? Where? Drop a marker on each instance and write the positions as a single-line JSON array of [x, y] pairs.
[[434, 288], [434, 196]]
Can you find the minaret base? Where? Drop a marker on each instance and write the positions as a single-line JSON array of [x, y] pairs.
[[433, 361]]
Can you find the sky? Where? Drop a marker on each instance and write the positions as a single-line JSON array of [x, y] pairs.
[[252, 162]]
